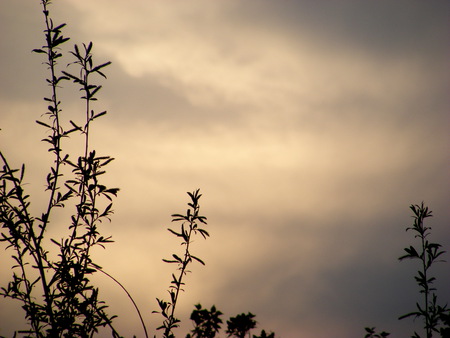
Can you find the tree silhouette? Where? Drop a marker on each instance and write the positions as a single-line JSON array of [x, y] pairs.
[[240, 325], [207, 322]]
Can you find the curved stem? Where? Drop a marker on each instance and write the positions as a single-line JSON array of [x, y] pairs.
[[425, 286], [129, 296]]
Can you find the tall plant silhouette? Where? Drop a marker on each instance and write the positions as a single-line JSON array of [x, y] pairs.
[[436, 317], [69, 305], [188, 228]]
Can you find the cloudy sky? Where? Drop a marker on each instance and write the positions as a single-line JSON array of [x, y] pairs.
[[310, 127]]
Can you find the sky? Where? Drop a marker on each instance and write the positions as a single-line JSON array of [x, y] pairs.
[[309, 127]]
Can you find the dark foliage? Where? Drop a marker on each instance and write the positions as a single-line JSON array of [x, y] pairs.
[[70, 306], [240, 325], [435, 317], [371, 333], [207, 322], [263, 334], [189, 226]]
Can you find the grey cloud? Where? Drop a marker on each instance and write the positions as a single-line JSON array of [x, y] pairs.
[[403, 27], [21, 72], [149, 100]]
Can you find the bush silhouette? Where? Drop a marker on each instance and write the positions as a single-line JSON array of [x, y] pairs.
[[207, 322], [70, 304]]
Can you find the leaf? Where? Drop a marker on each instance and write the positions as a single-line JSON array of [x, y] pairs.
[[22, 173], [58, 28], [60, 40], [40, 51], [175, 233], [411, 253], [77, 51], [177, 258], [169, 261], [97, 68], [88, 48], [99, 114], [54, 241], [417, 314], [107, 210], [203, 232], [73, 77], [178, 217], [370, 329], [198, 260]]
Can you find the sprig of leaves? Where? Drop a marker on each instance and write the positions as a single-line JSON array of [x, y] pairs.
[[428, 253], [189, 226]]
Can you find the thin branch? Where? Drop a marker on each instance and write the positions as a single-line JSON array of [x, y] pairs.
[[129, 296]]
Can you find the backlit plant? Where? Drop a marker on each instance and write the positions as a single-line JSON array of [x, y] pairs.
[[435, 317], [69, 305]]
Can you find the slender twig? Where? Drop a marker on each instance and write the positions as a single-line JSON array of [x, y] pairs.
[[428, 255], [129, 296], [190, 220], [56, 128], [180, 283]]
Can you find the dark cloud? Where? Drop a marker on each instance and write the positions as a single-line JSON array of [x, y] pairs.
[[403, 28]]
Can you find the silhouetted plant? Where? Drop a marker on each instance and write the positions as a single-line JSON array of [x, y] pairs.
[[263, 334], [240, 325], [371, 333], [70, 306], [445, 329], [207, 322], [428, 253], [189, 226]]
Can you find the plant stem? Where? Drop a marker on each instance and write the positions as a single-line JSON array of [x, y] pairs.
[[129, 296]]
